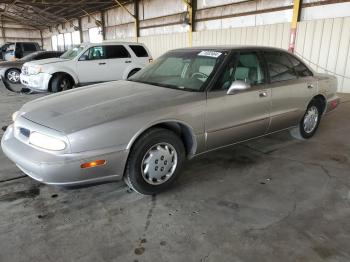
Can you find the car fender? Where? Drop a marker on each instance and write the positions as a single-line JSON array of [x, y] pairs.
[[66, 71], [62, 67], [165, 121]]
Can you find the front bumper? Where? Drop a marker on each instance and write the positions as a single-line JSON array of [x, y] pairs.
[[38, 83], [62, 169]]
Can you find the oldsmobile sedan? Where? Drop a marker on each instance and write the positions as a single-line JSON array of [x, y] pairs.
[[188, 102]]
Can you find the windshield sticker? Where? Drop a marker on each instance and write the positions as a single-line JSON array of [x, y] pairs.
[[210, 54]]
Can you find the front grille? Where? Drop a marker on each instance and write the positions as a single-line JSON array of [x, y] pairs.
[[25, 70]]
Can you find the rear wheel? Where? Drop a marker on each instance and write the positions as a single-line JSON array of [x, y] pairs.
[[310, 121], [155, 161], [60, 83], [12, 76]]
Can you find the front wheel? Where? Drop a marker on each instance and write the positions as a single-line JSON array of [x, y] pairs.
[[155, 161], [12, 76], [61, 83], [310, 121]]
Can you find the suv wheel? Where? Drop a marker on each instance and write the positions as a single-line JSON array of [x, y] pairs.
[[61, 83], [12, 76], [155, 161]]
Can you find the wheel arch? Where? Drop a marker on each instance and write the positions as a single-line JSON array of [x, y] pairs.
[[71, 78], [10, 68], [184, 131], [133, 69], [322, 100]]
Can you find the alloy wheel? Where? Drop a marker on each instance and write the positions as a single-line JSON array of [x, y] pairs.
[[311, 119]]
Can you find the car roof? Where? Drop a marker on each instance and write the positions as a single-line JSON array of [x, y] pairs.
[[112, 43], [233, 47]]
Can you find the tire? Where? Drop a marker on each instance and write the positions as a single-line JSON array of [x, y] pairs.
[[61, 83], [307, 129], [150, 174], [134, 71], [12, 75]]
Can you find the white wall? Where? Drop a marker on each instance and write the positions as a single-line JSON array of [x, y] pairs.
[[324, 44]]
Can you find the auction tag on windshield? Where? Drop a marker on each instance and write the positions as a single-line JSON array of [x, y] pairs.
[[210, 54]]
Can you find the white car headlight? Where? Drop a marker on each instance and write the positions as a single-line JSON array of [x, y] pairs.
[[46, 142], [34, 70], [14, 116]]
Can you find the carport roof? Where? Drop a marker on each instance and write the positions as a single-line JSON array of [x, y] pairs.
[[41, 14]]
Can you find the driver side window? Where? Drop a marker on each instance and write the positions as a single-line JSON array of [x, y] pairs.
[[95, 53], [246, 67]]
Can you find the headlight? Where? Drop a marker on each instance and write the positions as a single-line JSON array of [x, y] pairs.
[[34, 70], [14, 116], [46, 142]]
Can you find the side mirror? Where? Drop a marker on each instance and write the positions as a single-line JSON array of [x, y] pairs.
[[237, 86], [83, 58]]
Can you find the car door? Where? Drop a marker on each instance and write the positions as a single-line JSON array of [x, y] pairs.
[[92, 65], [118, 59], [28, 48], [244, 114], [292, 87]]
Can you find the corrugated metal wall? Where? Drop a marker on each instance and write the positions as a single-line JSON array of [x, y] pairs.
[[324, 45], [14, 32]]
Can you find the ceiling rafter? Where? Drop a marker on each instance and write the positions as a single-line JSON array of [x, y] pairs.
[[42, 14]]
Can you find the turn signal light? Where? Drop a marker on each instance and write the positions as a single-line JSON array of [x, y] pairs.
[[93, 163], [334, 104]]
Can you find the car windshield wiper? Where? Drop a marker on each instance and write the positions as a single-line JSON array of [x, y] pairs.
[[163, 85]]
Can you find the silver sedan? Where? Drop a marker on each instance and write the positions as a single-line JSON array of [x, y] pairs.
[[188, 102]]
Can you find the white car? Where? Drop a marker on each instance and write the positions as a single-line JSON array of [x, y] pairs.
[[85, 64]]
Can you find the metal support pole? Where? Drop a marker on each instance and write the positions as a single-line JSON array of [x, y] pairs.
[[137, 21], [103, 25], [294, 24], [80, 30], [188, 3], [42, 40]]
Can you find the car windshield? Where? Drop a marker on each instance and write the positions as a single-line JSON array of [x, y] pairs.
[[187, 70], [73, 52]]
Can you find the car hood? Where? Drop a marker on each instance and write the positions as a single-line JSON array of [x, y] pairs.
[[46, 61], [85, 107], [9, 64]]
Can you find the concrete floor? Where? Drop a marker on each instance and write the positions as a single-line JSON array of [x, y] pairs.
[[272, 199]]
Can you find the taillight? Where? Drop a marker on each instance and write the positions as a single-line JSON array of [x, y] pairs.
[[334, 103]]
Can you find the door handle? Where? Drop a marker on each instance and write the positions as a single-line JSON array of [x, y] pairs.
[[102, 63], [127, 62], [310, 86], [263, 94]]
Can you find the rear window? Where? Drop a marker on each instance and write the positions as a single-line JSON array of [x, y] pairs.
[[116, 51], [29, 47], [139, 50]]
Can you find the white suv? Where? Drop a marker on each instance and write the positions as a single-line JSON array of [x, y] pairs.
[[85, 64]]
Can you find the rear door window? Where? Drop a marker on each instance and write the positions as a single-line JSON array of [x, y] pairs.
[[29, 47], [139, 50], [116, 51], [280, 67], [299, 67]]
